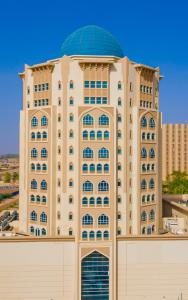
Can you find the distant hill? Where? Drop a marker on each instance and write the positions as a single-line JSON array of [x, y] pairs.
[[9, 156]]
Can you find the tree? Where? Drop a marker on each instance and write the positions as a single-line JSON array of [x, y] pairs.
[[15, 176], [7, 177], [176, 183]]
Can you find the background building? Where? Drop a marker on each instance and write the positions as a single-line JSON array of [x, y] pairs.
[[174, 148], [90, 152]]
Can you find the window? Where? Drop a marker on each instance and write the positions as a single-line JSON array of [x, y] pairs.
[[33, 216], [119, 85], [143, 184], [92, 201], [71, 133], [71, 101], [143, 153], [144, 230], [38, 199], [103, 120], [148, 198], [32, 135], [99, 235], [71, 151], [71, 167], [119, 166], [43, 185], [84, 235], [71, 117], [106, 201], [70, 199], [33, 184], [151, 184], [99, 135], [119, 134], [153, 136], [119, 118], [143, 122], [99, 168], [44, 135], [32, 167], [44, 121], [119, 150], [38, 135], [152, 123], [144, 216], [143, 198], [103, 153], [92, 168], [92, 135], [44, 153], [43, 231], [106, 135], [87, 186], [143, 135], [92, 84], [85, 168], [119, 102], [34, 122], [119, 216], [32, 198], [88, 120], [71, 183], [103, 186], [153, 197], [106, 235], [104, 84], [99, 84], [99, 201], [34, 153], [87, 220], [88, 153], [43, 217], [71, 84], [70, 216], [84, 201], [119, 183], [85, 135], [70, 232], [151, 153], [106, 168], [92, 235], [103, 220], [86, 84], [32, 230], [44, 199], [143, 168], [38, 167]]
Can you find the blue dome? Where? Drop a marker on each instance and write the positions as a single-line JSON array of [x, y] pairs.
[[91, 40]]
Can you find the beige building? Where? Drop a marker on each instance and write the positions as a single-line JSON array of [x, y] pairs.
[[174, 148], [90, 152]]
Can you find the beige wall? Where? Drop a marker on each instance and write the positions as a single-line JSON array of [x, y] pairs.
[[175, 148]]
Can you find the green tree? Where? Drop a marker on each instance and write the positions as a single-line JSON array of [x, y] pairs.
[[7, 177], [15, 176], [176, 183]]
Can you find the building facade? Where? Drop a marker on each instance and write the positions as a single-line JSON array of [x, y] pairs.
[[90, 156], [174, 148]]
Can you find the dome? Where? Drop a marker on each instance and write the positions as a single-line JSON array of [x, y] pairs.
[[91, 40]]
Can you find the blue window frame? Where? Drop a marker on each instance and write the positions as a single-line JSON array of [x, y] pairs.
[[106, 201], [143, 153], [99, 201], [33, 216], [143, 184], [92, 168], [84, 235], [106, 235], [92, 84], [43, 231], [86, 84], [87, 186], [144, 122], [92, 235], [92, 135], [152, 123], [144, 216], [44, 135], [44, 167], [152, 153], [71, 84], [104, 100], [151, 183], [34, 122], [44, 153], [99, 168], [43, 217], [91, 201], [44, 199], [99, 235], [43, 185], [103, 120], [84, 201], [38, 167], [32, 167], [99, 100], [105, 84], [38, 135], [34, 153], [87, 220], [103, 186], [103, 153], [32, 230], [38, 199], [106, 168], [99, 135], [92, 100], [99, 84], [106, 135], [33, 184], [103, 220], [32, 198], [44, 121], [88, 153], [88, 120], [85, 168], [85, 135], [86, 100], [32, 135]]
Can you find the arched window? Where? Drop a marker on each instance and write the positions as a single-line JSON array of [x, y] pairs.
[[103, 120], [106, 201], [153, 167], [88, 120], [144, 216], [99, 135], [85, 168], [143, 135], [43, 217], [87, 220], [149, 230], [71, 101], [153, 136], [148, 198], [34, 122], [152, 215], [71, 84], [85, 135], [144, 230], [153, 197], [144, 122], [143, 184], [103, 186], [44, 121], [44, 167], [33, 184], [99, 168], [88, 153], [44, 135], [32, 230], [84, 235], [44, 153], [148, 167], [92, 168], [99, 201], [103, 153], [91, 201], [119, 85], [32, 198], [92, 235], [32, 135], [71, 117], [152, 123], [38, 199], [33, 216], [32, 167], [38, 135], [106, 235], [71, 133], [84, 201], [103, 220], [87, 186], [152, 153], [106, 135], [106, 168], [43, 231], [71, 183], [143, 168], [43, 185], [92, 135], [34, 153], [99, 235], [151, 183], [143, 198], [143, 153], [44, 199], [71, 150], [38, 167]]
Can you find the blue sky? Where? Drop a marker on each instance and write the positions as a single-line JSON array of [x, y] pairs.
[[151, 32]]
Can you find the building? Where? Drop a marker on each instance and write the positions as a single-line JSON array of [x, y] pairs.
[[90, 152], [174, 148], [175, 207]]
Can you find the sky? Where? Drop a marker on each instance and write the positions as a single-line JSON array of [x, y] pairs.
[[150, 32]]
